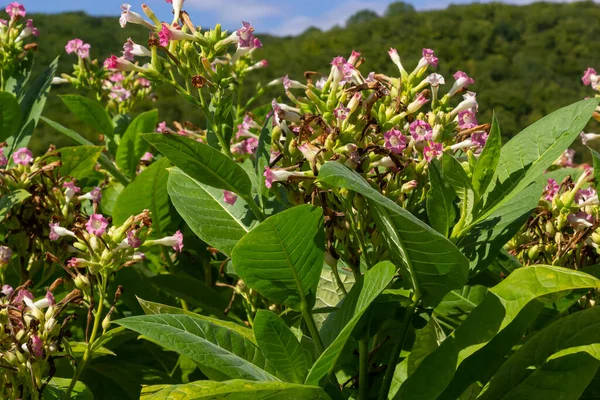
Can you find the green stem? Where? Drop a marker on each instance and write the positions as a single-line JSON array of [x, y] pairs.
[[363, 374], [88, 350], [254, 207], [312, 327], [391, 367]]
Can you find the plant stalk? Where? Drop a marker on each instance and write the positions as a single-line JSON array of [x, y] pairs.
[[312, 327], [363, 373]]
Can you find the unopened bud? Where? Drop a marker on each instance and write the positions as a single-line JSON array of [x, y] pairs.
[[596, 238], [82, 283], [106, 322], [534, 252], [409, 186], [550, 231]]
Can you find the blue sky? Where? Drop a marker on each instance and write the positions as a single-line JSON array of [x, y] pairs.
[[274, 16]]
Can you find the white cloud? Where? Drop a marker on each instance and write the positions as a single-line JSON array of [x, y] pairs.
[[328, 19]]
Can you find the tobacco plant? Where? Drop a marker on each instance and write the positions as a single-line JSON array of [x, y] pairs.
[[361, 236]]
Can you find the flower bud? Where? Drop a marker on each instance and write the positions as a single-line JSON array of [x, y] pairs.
[[534, 252], [106, 322], [5, 255], [409, 186], [550, 231]]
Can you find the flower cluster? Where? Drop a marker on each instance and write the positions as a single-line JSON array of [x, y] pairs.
[[591, 78], [31, 338], [16, 33]]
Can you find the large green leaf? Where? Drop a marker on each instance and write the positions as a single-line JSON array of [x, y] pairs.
[[440, 200], [233, 390], [104, 161], [502, 306], [280, 347], [10, 115], [345, 319], [202, 162], [454, 174], [329, 293], [148, 191], [429, 261], [212, 346], [579, 329], [32, 104], [458, 304], [13, 198], [282, 257], [91, 112], [427, 340], [152, 308], [596, 161], [531, 152], [79, 161], [217, 223], [132, 145], [57, 388], [488, 160]]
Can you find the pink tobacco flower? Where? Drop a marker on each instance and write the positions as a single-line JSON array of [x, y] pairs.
[[428, 58], [118, 63], [393, 53], [132, 17], [29, 30], [590, 77], [162, 127], [7, 290], [132, 240], [3, 159], [435, 80], [70, 190], [96, 225], [341, 112], [432, 150], [147, 156], [37, 346], [23, 156], [145, 83], [421, 130], [567, 158], [16, 10], [229, 197], [469, 103], [94, 195], [551, 190], [462, 80], [395, 141], [245, 35], [417, 103], [119, 94], [342, 70], [585, 197], [354, 57], [168, 33], [175, 241], [467, 119], [479, 138], [78, 47], [131, 50], [580, 220], [57, 231]]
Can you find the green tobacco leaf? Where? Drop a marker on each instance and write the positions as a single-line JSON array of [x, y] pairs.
[[502, 306], [427, 340], [427, 259], [526, 156], [152, 308], [132, 145], [329, 293], [217, 223], [212, 346], [454, 174], [32, 104], [148, 191], [440, 201], [596, 158], [79, 161], [10, 115], [280, 347], [488, 160], [282, 257], [202, 162], [458, 304], [575, 331], [89, 111], [79, 348], [13, 198], [488, 234], [233, 390], [57, 388], [104, 161], [15, 83], [345, 319]]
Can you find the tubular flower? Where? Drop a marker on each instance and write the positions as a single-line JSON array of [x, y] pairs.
[[132, 240], [23, 156], [588, 137], [479, 138], [96, 224], [94, 195], [167, 34], [132, 17], [462, 80], [432, 150], [417, 103], [70, 190], [396, 60], [57, 231], [229, 197], [3, 159], [435, 80], [28, 31], [428, 58], [580, 220], [341, 70], [341, 112], [245, 35], [469, 103], [175, 241], [590, 77], [290, 84], [131, 49], [421, 131], [551, 190], [467, 119], [16, 10], [395, 141], [119, 63]]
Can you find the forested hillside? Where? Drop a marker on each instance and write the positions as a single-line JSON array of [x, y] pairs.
[[526, 60]]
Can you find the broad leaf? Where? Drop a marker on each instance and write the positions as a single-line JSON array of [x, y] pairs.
[[217, 223], [280, 347], [211, 346], [79, 161], [501, 307], [10, 115], [526, 156], [32, 104], [428, 260], [57, 388], [458, 304], [575, 331], [329, 293], [89, 111], [427, 340], [345, 319], [148, 191], [282, 257], [440, 201], [488, 160], [202, 162], [233, 390], [13, 198], [596, 158], [454, 174], [132, 145]]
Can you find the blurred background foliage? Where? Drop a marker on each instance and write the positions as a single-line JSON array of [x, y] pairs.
[[526, 60]]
